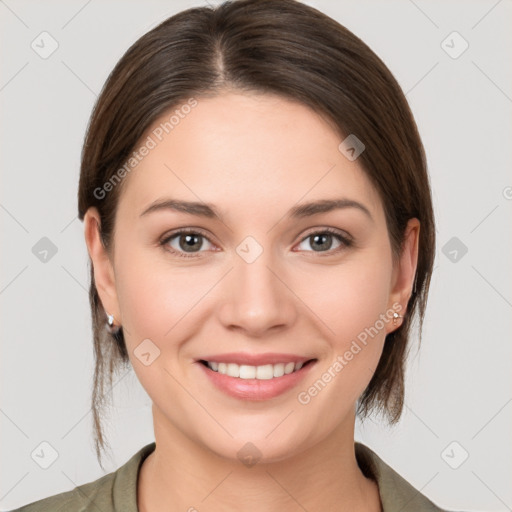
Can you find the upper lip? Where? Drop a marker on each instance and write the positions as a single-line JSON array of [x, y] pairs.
[[255, 359]]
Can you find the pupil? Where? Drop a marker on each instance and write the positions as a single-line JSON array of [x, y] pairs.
[[190, 241], [323, 237]]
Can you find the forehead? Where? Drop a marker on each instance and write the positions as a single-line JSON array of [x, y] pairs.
[[244, 152]]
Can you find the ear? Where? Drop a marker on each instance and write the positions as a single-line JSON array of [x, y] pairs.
[[104, 277], [404, 272]]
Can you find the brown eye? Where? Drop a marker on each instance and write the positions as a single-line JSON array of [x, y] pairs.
[[190, 242], [185, 243], [322, 241]]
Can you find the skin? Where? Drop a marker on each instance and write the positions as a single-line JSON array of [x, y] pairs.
[[254, 157]]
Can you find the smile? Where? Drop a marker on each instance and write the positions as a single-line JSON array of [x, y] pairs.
[[263, 372], [255, 383]]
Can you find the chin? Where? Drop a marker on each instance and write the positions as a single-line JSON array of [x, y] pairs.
[[257, 446]]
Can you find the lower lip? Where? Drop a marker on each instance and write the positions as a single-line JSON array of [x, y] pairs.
[[256, 389]]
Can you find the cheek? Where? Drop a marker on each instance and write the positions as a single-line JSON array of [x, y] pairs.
[[160, 301], [153, 301], [353, 331], [351, 308], [154, 295], [351, 296], [142, 296]]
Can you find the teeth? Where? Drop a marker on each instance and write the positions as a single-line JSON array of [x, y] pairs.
[[279, 370], [289, 367], [233, 370], [264, 372], [247, 372]]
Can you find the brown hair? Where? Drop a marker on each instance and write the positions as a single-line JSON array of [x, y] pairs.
[[268, 46]]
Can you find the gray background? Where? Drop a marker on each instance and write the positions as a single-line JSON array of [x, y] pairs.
[[458, 384]]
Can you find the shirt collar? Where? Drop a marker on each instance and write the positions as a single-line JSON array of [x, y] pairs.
[[396, 494]]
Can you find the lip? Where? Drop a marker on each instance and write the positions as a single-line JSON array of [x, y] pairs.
[[257, 389], [255, 359]]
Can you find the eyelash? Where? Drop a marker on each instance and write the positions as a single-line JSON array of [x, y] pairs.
[[345, 241]]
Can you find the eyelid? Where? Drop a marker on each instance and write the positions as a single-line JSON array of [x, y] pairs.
[[345, 238], [333, 231], [180, 231]]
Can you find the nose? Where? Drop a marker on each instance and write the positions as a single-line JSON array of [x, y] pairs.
[[257, 297]]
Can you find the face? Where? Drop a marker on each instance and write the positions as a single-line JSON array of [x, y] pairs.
[[249, 277]]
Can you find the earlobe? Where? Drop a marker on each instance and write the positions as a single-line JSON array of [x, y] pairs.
[[405, 274], [104, 277]]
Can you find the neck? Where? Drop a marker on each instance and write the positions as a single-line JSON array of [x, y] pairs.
[[181, 475]]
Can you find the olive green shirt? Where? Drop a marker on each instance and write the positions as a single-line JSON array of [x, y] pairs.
[[117, 491]]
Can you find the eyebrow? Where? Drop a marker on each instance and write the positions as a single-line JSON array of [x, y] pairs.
[[299, 211]]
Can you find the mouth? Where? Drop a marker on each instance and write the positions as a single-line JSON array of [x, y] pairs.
[[261, 372], [255, 383]]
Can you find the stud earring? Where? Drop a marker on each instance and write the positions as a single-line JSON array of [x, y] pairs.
[[111, 328], [396, 316]]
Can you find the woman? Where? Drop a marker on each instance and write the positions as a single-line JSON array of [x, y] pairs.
[[227, 146]]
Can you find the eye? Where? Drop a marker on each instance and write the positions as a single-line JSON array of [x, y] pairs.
[[322, 241], [185, 242]]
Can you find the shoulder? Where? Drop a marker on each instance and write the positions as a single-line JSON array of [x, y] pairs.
[[81, 498], [115, 491], [395, 492]]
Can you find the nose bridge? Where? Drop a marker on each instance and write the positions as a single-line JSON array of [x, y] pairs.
[[258, 299]]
